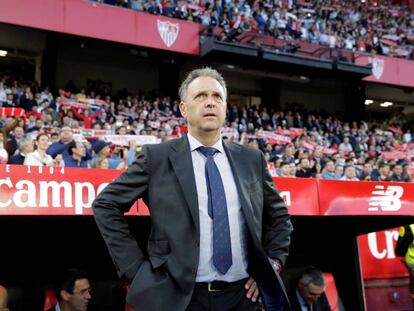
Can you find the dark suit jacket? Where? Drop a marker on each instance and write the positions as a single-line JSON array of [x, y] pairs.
[[163, 176], [321, 304]]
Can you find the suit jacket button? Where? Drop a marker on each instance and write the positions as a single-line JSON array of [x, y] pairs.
[[198, 244]]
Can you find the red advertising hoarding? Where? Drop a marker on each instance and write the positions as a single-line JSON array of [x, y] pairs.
[[95, 20], [26, 190], [377, 255], [365, 198], [388, 70], [38, 190]]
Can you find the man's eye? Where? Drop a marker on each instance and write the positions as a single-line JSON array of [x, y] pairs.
[[201, 96]]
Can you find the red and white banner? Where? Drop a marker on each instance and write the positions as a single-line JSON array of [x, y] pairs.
[[38, 190], [123, 140], [273, 138], [12, 112], [377, 255], [397, 155], [292, 132], [388, 70], [90, 19]]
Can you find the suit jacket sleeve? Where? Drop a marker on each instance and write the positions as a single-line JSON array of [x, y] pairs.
[[277, 226], [109, 207]]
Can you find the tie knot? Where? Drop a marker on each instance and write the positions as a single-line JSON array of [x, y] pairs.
[[207, 151]]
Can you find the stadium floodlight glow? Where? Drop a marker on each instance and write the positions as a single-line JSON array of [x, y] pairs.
[[368, 102], [3, 53], [386, 104]]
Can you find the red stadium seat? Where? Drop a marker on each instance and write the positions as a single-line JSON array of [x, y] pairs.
[[332, 293]]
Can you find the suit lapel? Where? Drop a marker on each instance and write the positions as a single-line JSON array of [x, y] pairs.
[[182, 164], [235, 156]]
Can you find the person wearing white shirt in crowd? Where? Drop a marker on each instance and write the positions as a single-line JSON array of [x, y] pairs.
[[349, 174], [39, 157], [345, 145]]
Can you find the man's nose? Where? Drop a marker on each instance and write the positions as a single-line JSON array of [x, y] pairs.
[[210, 101]]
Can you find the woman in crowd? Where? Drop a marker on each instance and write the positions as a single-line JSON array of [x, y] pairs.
[[39, 157]]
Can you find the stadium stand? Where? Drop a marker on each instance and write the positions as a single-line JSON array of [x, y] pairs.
[[383, 27], [284, 136]]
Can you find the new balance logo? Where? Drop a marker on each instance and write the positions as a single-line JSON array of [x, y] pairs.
[[387, 199]]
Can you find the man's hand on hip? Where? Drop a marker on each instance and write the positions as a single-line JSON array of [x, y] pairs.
[[252, 290]]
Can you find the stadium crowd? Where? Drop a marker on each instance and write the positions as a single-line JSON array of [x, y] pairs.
[[379, 27], [80, 129]]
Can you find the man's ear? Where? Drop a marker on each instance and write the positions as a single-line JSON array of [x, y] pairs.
[[64, 294], [183, 109]]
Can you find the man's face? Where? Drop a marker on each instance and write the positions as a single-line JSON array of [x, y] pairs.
[[368, 168], [305, 163], [79, 150], [80, 297], [330, 167], [350, 172], [385, 170], [285, 170], [66, 134], [204, 106], [311, 292], [105, 151], [18, 132], [339, 170], [398, 170]]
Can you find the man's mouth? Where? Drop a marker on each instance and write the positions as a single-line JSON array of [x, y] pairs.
[[210, 114]]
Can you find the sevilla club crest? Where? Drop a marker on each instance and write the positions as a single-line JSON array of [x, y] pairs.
[[168, 32], [377, 67]]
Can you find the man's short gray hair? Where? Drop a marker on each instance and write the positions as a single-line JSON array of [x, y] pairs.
[[201, 72], [25, 141], [312, 275]]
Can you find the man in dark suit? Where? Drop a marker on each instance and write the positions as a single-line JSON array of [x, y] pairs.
[[309, 294], [220, 231], [26, 146]]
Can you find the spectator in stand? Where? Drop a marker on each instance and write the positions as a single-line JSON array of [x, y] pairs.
[[3, 152], [39, 157], [76, 152], [292, 169], [366, 172], [349, 173], [382, 173], [398, 174], [13, 141], [60, 147], [284, 169], [339, 171], [304, 168], [73, 292], [329, 171], [102, 163], [26, 146], [87, 118], [309, 294], [345, 146], [102, 150]]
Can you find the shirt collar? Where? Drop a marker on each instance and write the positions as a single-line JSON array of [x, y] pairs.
[[300, 299], [194, 143]]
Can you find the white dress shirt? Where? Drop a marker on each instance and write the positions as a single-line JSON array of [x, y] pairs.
[[206, 271]]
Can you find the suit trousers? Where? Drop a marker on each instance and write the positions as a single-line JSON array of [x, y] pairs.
[[230, 299]]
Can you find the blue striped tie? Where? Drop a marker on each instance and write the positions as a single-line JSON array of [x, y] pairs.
[[217, 209]]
